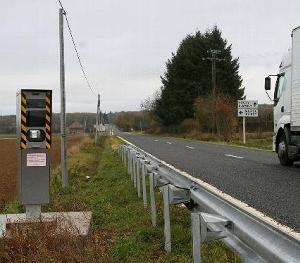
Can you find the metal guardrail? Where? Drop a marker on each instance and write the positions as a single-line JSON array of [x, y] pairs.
[[212, 217]]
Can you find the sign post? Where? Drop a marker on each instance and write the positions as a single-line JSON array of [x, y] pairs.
[[244, 130], [247, 108]]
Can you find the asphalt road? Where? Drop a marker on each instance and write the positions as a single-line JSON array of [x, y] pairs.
[[252, 176]]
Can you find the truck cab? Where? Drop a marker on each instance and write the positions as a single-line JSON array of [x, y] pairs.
[[286, 139]]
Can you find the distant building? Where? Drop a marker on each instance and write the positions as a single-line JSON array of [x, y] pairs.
[[76, 127]]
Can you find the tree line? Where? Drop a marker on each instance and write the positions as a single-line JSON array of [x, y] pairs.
[[8, 123]]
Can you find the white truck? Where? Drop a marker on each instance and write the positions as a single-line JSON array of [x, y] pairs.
[[286, 139]]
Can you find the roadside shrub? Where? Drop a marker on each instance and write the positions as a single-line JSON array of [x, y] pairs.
[[204, 113], [225, 114], [226, 120], [189, 125]]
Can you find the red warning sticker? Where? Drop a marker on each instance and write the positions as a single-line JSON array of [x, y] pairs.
[[36, 159]]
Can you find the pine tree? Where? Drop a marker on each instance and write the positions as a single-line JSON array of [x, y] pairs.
[[188, 76]]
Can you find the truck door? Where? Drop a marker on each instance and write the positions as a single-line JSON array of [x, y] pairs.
[[279, 109]]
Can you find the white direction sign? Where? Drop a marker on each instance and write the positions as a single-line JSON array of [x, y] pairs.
[[247, 104], [247, 113], [247, 108]]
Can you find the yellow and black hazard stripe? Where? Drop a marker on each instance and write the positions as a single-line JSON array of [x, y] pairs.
[[48, 121], [23, 121]]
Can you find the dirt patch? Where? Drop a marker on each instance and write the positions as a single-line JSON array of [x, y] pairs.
[[8, 163], [8, 170]]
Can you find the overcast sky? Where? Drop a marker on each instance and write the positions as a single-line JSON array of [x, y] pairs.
[[124, 45]]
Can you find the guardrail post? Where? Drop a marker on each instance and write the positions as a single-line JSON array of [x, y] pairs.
[[129, 160], [138, 176], [205, 228], [144, 188], [196, 241], [167, 226], [132, 166], [134, 170], [121, 149], [171, 195], [152, 199], [124, 155]]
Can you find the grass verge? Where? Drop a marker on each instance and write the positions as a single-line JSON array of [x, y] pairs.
[[121, 228]]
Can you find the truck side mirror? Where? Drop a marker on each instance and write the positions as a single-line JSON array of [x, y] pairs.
[[267, 83]]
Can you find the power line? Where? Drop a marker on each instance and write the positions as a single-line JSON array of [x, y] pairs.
[[76, 50], [61, 4]]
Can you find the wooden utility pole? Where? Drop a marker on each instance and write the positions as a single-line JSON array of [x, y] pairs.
[[97, 119], [214, 59]]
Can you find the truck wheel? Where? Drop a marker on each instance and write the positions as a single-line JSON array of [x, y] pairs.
[[283, 152]]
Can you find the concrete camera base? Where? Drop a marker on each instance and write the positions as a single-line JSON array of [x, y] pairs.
[[75, 223]]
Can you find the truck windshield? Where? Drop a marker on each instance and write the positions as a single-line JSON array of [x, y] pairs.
[[280, 83]]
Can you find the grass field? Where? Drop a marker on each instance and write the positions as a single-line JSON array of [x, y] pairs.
[[8, 164], [263, 143], [121, 228]]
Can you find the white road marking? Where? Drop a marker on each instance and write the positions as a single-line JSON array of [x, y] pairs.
[[289, 231], [233, 156], [156, 140], [169, 143], [190, 147]]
